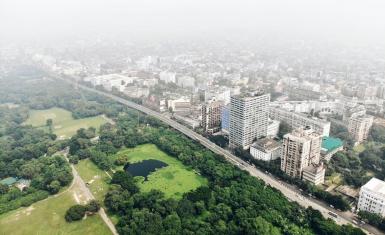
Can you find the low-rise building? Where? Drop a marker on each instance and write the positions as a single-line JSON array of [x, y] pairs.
[[314, 173], [372, 197], [189, 122], [181, 105], [217, 93], [110, 81], [167, 77], [186, 82], [156, 103], [266, 149], [136, 92], [299, 120], [330, 146]]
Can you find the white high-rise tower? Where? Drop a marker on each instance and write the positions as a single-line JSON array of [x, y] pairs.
[[248, 118]]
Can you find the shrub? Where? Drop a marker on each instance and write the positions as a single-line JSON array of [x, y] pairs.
[[75, 213]]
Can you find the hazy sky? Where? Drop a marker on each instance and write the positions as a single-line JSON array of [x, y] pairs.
[[363, 19]]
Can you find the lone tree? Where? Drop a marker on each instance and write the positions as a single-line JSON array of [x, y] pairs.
[[284, 128], [49, 123], [75, 213], [93, 206]]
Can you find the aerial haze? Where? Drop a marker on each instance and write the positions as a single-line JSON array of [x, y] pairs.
[[158, 117], [343, 20]]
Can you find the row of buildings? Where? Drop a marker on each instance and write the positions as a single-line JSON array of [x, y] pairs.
[[249, 127]]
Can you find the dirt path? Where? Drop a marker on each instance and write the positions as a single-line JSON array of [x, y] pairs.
[[79, 182], [89, 196]]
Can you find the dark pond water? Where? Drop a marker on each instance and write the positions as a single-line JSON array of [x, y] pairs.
[[144, 168]]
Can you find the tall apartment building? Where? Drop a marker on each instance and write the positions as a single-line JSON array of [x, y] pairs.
[[301, 148], [372, 197], [211, 116], [359, 127], [299, 120], [248, 118]]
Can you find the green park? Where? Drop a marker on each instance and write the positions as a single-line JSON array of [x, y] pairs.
[[173, 180], [63, 124], [46, 217]]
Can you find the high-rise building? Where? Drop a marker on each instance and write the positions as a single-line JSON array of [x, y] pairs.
[[372, 197], [211, 116], [301, 148], [359, 127], [249, 115]]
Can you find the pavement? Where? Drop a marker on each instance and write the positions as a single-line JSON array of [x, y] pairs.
[[291, 193]]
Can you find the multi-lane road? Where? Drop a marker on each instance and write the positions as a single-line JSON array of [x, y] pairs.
[[290, 192]]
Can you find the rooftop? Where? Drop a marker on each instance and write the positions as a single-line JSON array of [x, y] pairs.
[[314, 168], [8, 181], [375, 185], [249, 95], [266, 144], [330, 143]]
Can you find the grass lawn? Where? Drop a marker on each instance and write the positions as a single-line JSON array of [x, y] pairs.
[[98, 180], [359, 148], [335, 179], [47, 218], [173, 180], [64, 125]]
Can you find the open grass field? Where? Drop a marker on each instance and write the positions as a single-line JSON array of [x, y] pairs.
[[97, 179], [47, 218], [64, 125], [174, 179]]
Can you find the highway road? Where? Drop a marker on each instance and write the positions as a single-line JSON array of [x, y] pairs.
[[289, 192]]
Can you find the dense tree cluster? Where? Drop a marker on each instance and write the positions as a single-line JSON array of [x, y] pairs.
[[340, 131], [377, 133], [373, 219], [284, 128], [350, 166], [38, 93], [233, 203], [25, 152]]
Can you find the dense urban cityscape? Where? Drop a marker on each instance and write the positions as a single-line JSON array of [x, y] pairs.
[[198, 134]]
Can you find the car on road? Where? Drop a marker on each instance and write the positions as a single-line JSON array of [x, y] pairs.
[[331, 213]]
